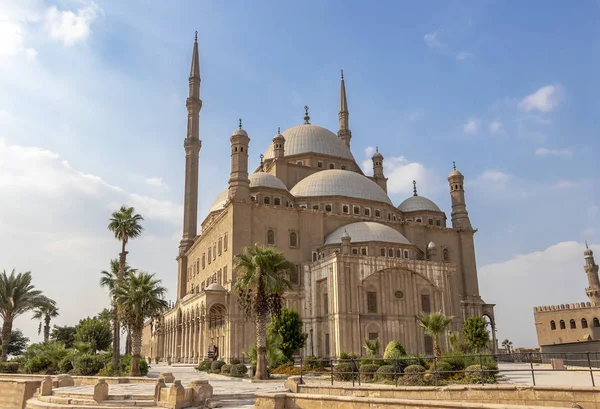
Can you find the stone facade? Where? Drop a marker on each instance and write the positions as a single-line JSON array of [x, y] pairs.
[[365, 268], [575, 326]]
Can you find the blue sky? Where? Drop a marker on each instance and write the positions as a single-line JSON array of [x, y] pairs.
[[92, 115]]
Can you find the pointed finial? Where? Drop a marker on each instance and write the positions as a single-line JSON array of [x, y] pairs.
[[377, 149], [342, 74], [586, 246], [278, 130], [196, 37], [240, 123], [262, 168], [454, 165], [306, 117], [415, 188]]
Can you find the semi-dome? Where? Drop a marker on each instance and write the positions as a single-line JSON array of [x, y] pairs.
[[366, 232], [219, 201], [263, 179], [417, 204], [337, 182], [215, 287], [309, 138]]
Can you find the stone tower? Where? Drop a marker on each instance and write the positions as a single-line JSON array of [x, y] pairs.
[[591, 269], [239, 184], [378, 175], [192, 145], [344, 131], [278, 145], [460, 216]]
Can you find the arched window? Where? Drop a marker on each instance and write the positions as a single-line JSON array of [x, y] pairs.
[[214, 251], [331, 166], [552, 325], [405, 253], [270, 237], [327, 208], [394, 217], [398, 254], [382, 252], [431, 222], [277, 201], [572, 324], [363, 251], [225, 242], [438, 222], [418, 220], [209, 255], [391, 253], [446, 255], [562, 325], [203, 260], [354, 251], [377, 213], [583, 323], [220, 245], [293, 239], [596, 322], [356, 210], [367, 212], [389, 216], [267, 200], [225, 275], [300, 162], [343, 167], [345, 209], [319, 164]]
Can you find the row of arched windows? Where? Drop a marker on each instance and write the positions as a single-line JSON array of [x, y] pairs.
[[573, 324], [293, 238]]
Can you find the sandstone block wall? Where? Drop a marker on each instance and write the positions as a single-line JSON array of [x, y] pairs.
[[15, 393]]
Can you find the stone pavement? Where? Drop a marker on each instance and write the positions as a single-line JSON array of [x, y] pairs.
[[546, 378]]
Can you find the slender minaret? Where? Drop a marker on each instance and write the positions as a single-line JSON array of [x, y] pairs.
[[192, 145], [278, 145], [239, 184], [591, 269], [460, 216], [344, 132], [378, 175]]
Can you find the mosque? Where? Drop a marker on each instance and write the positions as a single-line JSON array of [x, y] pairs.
[[366, 267]]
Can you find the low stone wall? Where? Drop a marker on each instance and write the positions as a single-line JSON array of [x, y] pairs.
[[310, 401], [587, 397], [15, 393], [79, 380]]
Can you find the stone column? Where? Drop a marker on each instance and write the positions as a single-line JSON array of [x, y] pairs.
[[195, 340], [178, 341], [186, 334]]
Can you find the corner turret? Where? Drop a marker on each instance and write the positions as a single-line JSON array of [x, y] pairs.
[[460, 216], [239, 184], [378, 176]]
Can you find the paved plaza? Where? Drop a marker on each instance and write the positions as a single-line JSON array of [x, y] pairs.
[[544, 376]]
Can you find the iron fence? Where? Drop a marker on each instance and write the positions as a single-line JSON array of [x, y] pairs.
[[586, 362]]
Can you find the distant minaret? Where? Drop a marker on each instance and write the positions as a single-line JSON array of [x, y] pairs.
[[192, 145], [239, 184], [591, 269], [279, 145], [460, 216], [378, 175], [344, 132]]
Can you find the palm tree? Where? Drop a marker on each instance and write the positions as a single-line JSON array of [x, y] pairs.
[[45, 313], [109, 281], [262, 280], [508, 345], [17, 295], [372, 346], [126, 225], [434, 324], [139, 297]]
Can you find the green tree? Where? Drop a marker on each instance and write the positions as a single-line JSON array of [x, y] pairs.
[[18, 343], [64, 335], [105, 315], [288, 325], [262, 280], [17, 296], [372, 347], [139, 297], [394, 350], [508, 345], [475, 333], [434, 324], [125, 225], [95, 332], [274, 353], [45, 315]]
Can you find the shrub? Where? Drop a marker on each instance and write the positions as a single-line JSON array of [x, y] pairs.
[[346, 355], [88, 364], [156, 359], [235, 361], [443, 367], [204, 365], [225, 369], [394, 349], [367, 372], [414, 375], [37, 364], [144, 367], [287, 369], [216, 366], [475, 377], [385, 373], [9, 367], [65, 365], [343, 371], [312, 363], [239, 370]]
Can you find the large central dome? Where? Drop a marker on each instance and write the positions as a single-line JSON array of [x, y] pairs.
[[336, 182], [309, 138]]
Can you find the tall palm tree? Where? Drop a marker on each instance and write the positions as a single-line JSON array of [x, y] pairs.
[[17, 295], [508, 345], [126, 225], [139, 297], [109, 281], [434, 324], [262, 279], [45, 314]]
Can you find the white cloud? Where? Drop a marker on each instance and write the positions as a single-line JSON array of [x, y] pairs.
[[5, 116], [592, 211], [495, 126], [565, 153], [544, 99], [11, 40], [563, 184], [432, 40], [492, 175], [157, 181], [471, 126], [555, 273], [463, 55], [70, 27], [590, 231]]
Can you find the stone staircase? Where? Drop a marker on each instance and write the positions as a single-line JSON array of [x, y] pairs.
[[66, 399]]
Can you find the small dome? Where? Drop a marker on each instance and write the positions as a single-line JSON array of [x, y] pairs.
[[215, 287], [219, 201], [346, 236], [263, 179], [454, 173], [365, 232], [337, 182], [377, 154], [279, 138], [431, 245], [418, 203], [588, 252], [239, 132], [308, 138]]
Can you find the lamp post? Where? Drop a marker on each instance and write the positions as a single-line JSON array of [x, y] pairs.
[[312, 343]]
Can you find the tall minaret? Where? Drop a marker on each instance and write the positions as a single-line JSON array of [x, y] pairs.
[[460, 216], [192, 145], [239, 184], [591, 269], [344, 132], [378, 175]]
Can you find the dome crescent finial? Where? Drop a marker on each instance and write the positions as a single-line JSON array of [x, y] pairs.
[[454, 165], [240, 123], [415, 188], [306, 116], [196, 37]]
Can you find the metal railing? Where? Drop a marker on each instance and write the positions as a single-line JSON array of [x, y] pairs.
[[586, 362]]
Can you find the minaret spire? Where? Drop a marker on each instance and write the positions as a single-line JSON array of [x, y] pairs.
[[344, 131]]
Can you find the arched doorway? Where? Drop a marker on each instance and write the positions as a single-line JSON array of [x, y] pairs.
[[492, 327], [216, 325]]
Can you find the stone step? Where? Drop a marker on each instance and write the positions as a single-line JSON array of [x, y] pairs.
[[37, 404], [60, 400], [89, 396], [239, 401]]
